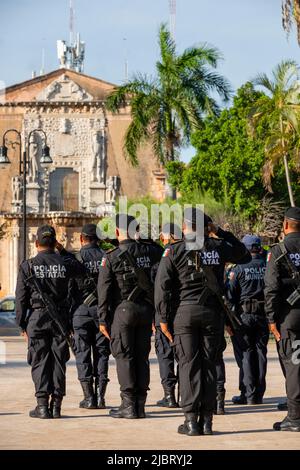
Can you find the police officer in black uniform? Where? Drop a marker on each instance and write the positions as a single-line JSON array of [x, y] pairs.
[[91, 347], [48, 349], [170, 233], [126, 291], [282, 297], [198, 320], [246, 286]]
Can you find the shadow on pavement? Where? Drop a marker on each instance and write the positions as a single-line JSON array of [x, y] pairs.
[[10, 414], [63, 416], [249, 431], [253, 409]]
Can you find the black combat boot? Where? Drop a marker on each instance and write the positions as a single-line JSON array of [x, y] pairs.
[[41, 410], [169, 400], [205, 422], [220, 403], [55, 407], [190, 427], [239, 399], [100, 388], [89, 401], [126, 410], [140, 406], [287, 424]]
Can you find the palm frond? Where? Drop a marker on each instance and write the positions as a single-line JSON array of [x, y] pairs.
[[262, 80], [194, 57]]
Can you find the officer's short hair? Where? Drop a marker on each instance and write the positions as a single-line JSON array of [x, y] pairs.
[[46, 236]]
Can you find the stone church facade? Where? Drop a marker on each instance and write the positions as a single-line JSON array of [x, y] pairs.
[[88, 172]]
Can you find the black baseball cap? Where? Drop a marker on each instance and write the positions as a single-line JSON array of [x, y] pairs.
[[90, 230], [293, 213], [46, 234], [192, 215], [126, 221]]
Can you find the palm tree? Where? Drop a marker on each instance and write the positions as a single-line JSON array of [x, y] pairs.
[[291, 11], [166, 109], [279, 107]]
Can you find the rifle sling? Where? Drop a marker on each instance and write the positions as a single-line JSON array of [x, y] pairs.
[[295, 274]]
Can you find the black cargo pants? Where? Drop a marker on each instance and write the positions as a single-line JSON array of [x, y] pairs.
[[220, 364], [197, 334], [130, 346], [253, 339], [48, 353], [237, 343], [289, 353], [166, 360], [91, 347]]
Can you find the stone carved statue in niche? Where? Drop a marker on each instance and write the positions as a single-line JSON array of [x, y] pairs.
[[16, 183], [33, 165], [98, 158], [112, 188]]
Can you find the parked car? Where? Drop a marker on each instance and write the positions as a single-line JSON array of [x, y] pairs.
[[8, 324]]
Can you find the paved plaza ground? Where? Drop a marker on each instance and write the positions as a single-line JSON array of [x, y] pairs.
[[243, 427]]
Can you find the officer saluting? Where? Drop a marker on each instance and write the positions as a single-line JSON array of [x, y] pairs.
[[282, 305], [198, 320], [125, 291], [43, 281], [91, 347]]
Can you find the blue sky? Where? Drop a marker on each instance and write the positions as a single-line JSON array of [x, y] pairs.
[[248, 33]]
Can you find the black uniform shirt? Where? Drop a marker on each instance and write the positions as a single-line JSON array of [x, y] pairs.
[[246, 281], [279, 285], [91, 255], [53, 271], [174, 276], [112, 287]]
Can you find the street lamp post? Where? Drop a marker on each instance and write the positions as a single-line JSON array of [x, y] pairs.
[[24, 160]]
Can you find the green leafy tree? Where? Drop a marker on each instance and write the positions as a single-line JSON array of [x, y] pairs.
[[166, 109], [229, 161], [279, 106]]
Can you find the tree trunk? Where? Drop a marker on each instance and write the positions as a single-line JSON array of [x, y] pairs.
[[286, 166], [288, 179], [173, 191]]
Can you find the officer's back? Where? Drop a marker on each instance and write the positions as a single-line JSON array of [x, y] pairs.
[[53, 271], [145, 256], [248, 278], [90, 256]]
